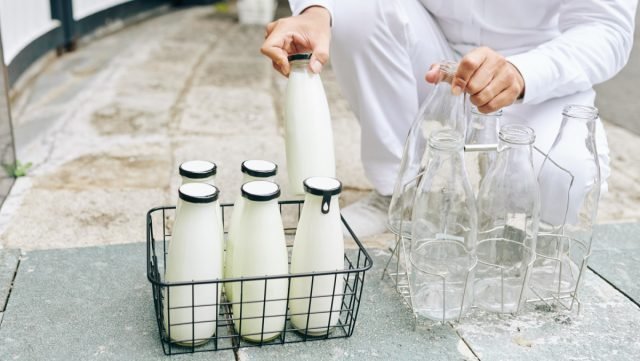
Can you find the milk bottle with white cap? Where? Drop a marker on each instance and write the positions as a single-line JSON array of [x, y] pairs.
[[253, 169], [260, 250], [318, 247], [308, 133], [195, 254]]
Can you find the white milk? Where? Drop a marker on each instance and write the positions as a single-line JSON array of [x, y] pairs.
[[195, 254], [308, 133], [253, 169], [260, 250], [318, 247]]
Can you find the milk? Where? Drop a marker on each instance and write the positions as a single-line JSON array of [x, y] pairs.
[[260, 250], [308, 133], [253, 169], [318, 247], [195, 254]]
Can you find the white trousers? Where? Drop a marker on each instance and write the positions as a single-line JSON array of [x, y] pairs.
[[381, 51]]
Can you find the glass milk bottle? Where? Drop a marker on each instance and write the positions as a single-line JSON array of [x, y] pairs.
[[308, 133], [253, 169], [508, 216], [318, 247], [443, 236], [441, 110], [569, 179], [260, 250], [198, 171], [195, 254]]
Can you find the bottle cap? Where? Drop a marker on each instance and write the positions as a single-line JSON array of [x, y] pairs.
[[324, 187], [260, 191], [198, 193], [259, 168], [301, 56], [198, 169]]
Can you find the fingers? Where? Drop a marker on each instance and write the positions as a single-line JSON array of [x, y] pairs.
[[320, 55], [502, 91], [504, 99], [469, 64]]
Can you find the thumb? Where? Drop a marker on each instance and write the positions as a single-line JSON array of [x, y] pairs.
[[432, 75], [320, 55]]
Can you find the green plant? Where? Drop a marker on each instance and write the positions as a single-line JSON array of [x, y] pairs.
[[18, 169]]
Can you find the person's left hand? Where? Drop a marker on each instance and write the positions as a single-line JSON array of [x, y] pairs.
[[491, 81]]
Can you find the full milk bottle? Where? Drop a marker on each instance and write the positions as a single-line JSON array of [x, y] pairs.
[[308, 134], [253, 169], [195, 254], [318, 247], [260, 250]]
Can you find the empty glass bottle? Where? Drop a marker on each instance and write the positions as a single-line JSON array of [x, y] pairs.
[[508, 216], [570, 184], [441, 110], [443, 235]]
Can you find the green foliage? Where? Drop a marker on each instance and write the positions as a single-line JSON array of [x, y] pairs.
[[222, 7], [18, 169]]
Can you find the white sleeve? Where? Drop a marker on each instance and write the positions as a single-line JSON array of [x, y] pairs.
[[298, 6], [594, 44]]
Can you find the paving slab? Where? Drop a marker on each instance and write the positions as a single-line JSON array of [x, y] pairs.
[[616, 256], [602, 330], [85, 304], [9, 259], [383, 331]]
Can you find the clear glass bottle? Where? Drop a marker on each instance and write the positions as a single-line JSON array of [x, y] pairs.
[[252, 170], [195, 254], [318, 247], [198, 171], [443, 235], [308, 132], [481, 141], [259, 312], [569, 179], [441, 110], [508, 217]]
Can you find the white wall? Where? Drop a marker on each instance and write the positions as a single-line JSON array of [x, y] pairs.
[[23, 21], [84, 8]]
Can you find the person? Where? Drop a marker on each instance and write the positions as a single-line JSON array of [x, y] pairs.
[[529, 58]]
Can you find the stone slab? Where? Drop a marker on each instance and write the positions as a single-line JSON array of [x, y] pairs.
[[605, 329], [8, 263], [616, 255], [383, 331], [85, 304]]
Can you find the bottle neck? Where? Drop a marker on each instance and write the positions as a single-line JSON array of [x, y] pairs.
[[300, 66], [249, 178]]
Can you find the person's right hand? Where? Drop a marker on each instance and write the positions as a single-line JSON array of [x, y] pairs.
[[309, 32]]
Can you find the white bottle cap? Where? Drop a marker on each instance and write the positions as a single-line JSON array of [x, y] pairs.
[[259, 168], [326, 187], [198, 169], [198, 193], [260, 191]]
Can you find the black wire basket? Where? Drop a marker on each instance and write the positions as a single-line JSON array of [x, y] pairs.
[[341, 320]]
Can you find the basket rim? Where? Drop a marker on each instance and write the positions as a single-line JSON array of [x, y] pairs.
[[368, 261]]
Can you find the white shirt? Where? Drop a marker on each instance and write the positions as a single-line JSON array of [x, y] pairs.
[[560, 47]]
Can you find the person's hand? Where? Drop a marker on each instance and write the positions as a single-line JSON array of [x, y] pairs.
[[307, 32], [491, 81]]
